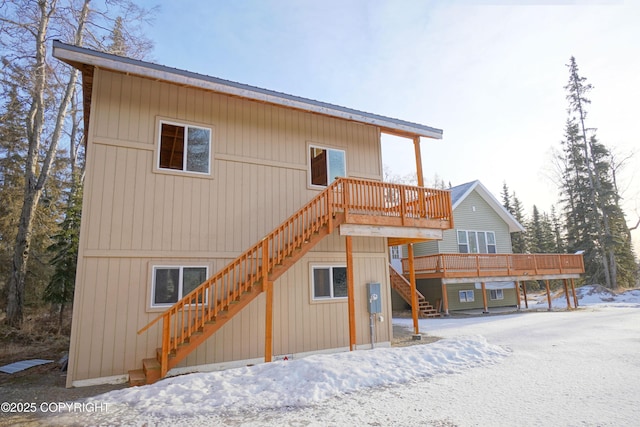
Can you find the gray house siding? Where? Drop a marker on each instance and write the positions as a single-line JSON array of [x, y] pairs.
[[473, 213]]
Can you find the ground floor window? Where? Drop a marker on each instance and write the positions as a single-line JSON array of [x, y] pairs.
[[466, 296], [329, 282], [171, 283], [496, 294]]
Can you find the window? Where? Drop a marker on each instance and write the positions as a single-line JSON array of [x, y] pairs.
[[496, 294], [170, 284], [326, 165], [184, 148], [329, 282], [483, 242], [395, 252], [466, 296]]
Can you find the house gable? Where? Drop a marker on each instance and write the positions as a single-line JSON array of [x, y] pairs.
[[474, 213]]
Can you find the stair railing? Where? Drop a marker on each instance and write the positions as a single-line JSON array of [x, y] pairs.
[[204, 304]]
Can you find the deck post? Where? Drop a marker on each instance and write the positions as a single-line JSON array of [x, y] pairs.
[[517, 283], [416, 146], [445, 299], [484, 298], [575, 297], [268, 322], [524, 292], [546, 283], [566, 293], [350, 294], [414, 294]]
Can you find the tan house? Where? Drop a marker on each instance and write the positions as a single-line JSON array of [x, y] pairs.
[[225, 225]]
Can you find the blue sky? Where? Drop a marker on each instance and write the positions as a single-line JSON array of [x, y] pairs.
[[489, 73]]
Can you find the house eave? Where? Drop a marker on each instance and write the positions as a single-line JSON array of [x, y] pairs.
[[79, 56]]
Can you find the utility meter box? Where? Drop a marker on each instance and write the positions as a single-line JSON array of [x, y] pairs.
[[374, 297]]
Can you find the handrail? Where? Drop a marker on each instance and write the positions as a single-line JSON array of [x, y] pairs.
[[477, 265], [404, 281], [345, 195]]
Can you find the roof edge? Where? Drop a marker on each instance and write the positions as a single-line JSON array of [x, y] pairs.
[[514, 225], [75, 55]]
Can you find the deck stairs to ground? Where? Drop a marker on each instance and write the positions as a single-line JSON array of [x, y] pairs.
[[201, 313], [403, 287]]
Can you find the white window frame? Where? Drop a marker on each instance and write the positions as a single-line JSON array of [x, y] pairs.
[[496, 294], [329, 178], [186, 127], [467, 295], [395, 252], [312, 284], [181, 295], [475, 233]]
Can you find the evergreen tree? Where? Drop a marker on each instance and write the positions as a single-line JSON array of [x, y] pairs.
[[65, 254], [506, 198], [595, 223]]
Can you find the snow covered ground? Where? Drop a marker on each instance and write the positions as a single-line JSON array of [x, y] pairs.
[[536, 368]]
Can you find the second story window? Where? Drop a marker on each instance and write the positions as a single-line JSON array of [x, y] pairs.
[[474, 242], [185, 148], [326, 165]]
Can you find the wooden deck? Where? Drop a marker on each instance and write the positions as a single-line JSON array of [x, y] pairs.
[[498, 266]]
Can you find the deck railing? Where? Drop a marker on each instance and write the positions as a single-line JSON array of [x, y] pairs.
[[498, 265], [344, 196]]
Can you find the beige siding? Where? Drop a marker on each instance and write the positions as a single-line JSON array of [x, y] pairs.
[[135, 217]]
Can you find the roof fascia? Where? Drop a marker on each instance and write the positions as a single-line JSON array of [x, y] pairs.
[[75, 55], [514, 225]]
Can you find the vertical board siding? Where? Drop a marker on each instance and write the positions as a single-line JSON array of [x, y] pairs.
[[258, 179]]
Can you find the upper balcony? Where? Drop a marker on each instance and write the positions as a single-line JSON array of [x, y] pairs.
[[401, 212]]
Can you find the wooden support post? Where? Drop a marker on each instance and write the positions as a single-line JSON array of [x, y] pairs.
[[546, 283], [268, 321], [414, 294], [419, 175], [517, 294], [166, 338], [575, 297], [484, 298], [566, 292], [351, 294], [524, 292], [445, 299]]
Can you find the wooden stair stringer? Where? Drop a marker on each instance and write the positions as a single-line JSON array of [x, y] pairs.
[[214, 326], [246, 298], [402, 286]]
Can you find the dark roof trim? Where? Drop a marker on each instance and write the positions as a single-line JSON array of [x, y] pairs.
[[78, 56]]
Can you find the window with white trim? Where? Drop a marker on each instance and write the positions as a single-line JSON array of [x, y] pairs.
[[172, 283], [184, 148], [329, 282], [476, 242], [496, 294], [466, 296], [325, 165], [395, 252]]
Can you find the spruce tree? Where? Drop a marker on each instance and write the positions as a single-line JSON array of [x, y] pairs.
[[595, 223]]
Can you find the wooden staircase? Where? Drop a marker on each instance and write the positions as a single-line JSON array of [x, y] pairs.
[[201, 313], [401, 285]]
